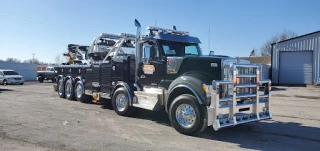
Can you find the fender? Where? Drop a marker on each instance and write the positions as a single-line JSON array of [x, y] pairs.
[[61, 77], [69, 77], [79, 78], [126, 87], [190, 88], [192, 82]]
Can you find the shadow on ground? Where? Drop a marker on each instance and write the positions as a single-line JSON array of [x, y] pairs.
[[1, 90], [250, 135]]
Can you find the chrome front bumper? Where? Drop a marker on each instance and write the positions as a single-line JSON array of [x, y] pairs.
[[227, 111]]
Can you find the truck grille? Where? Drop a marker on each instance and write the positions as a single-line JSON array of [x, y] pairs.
[[237, 99], [17, 78]]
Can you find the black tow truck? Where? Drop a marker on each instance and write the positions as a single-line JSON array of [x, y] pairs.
[[166, 70]]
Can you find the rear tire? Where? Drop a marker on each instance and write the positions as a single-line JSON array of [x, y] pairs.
[[79, 93], [40, 79], [60, 89], [69, 90], [120, 102], [187, 116]]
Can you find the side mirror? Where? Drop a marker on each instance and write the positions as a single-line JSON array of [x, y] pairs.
[[146, 54]]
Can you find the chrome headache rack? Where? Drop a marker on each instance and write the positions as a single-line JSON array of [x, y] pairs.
[[237, 99]]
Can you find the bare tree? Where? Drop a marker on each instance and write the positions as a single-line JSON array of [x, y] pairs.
[[265, 49], [59, 59], [13, 60]]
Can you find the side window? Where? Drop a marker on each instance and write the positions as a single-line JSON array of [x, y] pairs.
[[1, 74], [191, 50], [167, 50], [150, 50]]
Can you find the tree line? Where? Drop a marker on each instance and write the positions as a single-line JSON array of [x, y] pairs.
[[265, 49], [58, 60], [31, 61]]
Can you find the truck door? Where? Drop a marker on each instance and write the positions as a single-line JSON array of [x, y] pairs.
[[153, 67]]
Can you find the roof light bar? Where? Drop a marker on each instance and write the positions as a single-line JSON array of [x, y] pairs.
[[121, 35], [127, 35], [165, 30]]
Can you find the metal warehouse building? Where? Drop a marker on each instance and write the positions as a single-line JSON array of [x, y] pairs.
[[27, 70], [296, 60]]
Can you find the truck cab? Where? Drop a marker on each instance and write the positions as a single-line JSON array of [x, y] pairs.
[[166, 70], [48, 74]]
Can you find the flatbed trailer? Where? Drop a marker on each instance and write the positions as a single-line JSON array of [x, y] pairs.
[[168, 72]]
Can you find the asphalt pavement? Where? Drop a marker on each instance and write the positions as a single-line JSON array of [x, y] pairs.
[[33, 117]]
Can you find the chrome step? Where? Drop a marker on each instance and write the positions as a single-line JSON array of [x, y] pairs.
[[146, 100]]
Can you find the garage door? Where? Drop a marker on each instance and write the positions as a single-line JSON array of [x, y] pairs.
[[295, 67]]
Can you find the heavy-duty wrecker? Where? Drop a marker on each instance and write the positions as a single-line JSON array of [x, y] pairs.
[[166, 70]]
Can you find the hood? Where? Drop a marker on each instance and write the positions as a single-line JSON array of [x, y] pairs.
[[209, 66]]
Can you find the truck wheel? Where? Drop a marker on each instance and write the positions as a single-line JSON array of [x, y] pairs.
[[120, 102], [5, 82], [186, 115], [79, 93], [40, 79], [69, 90], [60, 89]]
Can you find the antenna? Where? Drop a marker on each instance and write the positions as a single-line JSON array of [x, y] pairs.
[[209, 40]]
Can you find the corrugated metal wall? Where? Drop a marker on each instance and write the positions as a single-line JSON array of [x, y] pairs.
[[305, 43], [28, 71]]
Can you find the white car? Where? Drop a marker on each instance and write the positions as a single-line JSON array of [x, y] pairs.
[[10, 77]]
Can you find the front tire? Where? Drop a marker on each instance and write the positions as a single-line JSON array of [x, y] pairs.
[[69, 90], [187, 116], [120, 102], [79, 93], [60, 89], [5, 82]]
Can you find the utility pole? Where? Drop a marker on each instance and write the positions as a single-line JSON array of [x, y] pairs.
[[155, 23], [33, 57]]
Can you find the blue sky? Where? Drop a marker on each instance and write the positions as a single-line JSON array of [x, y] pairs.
[[47, 27]]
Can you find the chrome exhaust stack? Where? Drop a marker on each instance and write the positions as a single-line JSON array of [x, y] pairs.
[[138, 52]]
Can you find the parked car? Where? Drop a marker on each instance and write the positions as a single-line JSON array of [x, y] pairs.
[[10, 77], [48, 74]]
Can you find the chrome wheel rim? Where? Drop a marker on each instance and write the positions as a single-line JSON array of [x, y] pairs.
[[185, 115], [121, 102], [60, 88], [79, 90], [68, 89]]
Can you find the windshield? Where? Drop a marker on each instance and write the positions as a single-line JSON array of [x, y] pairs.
[[10, 73], [172, 48]]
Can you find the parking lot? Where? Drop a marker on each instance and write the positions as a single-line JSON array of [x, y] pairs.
[[33, 117]]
